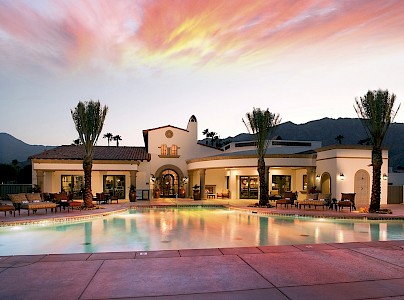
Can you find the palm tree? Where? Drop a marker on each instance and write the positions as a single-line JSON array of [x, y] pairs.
[[76, 142], [262, 124], [375, 109], [89, 119], [108, 136], [117, 138], [339, 138]]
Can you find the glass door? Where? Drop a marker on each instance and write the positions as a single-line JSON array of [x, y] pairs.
[[248, 187], [115, 185]]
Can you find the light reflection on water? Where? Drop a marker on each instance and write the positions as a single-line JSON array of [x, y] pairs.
[[164, 229]]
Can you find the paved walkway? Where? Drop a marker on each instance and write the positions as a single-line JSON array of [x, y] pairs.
[[372, 270]]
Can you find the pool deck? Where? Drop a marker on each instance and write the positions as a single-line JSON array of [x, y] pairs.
[[367, 270]]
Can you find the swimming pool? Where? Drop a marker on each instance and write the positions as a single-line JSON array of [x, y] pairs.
[[191, 228]]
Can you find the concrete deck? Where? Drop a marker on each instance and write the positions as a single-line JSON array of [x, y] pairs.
[[373, 270]]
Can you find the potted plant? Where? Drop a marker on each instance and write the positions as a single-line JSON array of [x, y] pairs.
[[182, 192], [196, 192], [156, 191], [132, 193]]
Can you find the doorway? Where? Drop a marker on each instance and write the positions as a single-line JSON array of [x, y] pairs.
[[169, 184], [115, 185], [326, 183], [248, 187], [362, 188]]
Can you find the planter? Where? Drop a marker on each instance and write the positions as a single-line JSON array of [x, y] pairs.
[[156, 194], [197, 195], [182, 193], [132, 196]]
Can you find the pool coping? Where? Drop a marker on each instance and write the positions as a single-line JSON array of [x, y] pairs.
[[253, 210]]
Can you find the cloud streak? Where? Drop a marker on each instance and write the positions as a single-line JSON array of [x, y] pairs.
[[106, 34]]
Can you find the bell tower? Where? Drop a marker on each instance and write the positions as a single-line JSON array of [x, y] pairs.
[[193, 128]]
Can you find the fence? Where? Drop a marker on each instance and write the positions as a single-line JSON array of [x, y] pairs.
[[14, 189], [395, 194]]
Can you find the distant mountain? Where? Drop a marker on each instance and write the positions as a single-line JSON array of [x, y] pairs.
[[12, 148], [326, 130]]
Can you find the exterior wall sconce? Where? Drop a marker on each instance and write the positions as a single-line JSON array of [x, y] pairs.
[[318, 177], [152, 178], [185, 180], [341, 176], [384, 176]]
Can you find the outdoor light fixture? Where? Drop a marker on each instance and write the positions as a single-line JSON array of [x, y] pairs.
[[152, 178], [185, 180], [317, 177], [384, 176], [341, 176]]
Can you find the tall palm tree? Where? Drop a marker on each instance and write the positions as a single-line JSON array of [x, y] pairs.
[[375, 109], [89, 119], [117, 138], [108, 136], [261, 123]]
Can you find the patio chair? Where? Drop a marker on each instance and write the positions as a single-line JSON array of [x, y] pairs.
[[347, 200], [288, 199]]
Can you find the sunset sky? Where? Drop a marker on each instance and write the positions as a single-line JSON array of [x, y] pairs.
[[155, 63]]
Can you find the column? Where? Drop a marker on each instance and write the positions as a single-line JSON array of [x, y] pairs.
[[133, 178], [311, 178], [190, 183], [40, 179], [202, 181], [132, 197]]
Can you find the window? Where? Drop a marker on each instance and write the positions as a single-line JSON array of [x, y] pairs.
[[248, 187], [163, 149], [169, 151], [174, 150], [282, 183], [72, 184], [115, 185]]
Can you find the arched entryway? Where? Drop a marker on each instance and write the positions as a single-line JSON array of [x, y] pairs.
[[169, 183], [170, 176], [326, 183], [362, 188]]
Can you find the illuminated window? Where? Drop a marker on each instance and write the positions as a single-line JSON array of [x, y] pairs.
[[174, 150], [164, 149]]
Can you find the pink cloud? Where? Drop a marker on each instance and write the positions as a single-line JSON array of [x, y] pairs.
[[92, 34]]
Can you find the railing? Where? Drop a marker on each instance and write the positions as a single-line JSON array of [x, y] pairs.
[[142, 194], [6, 189]]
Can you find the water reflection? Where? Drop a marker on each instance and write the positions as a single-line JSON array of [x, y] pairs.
[[154, 229]]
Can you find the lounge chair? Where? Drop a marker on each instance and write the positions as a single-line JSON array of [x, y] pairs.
[[315, 200], [30, 202], [347, 200], [6, 208], [288, 199]]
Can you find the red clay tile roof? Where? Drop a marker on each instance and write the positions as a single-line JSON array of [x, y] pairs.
[[100, 153]]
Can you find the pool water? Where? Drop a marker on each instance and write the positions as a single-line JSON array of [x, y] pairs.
[[169, 228]]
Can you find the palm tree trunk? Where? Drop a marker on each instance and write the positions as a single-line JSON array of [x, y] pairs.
[[263, 186], [377, 162], [87, 167]]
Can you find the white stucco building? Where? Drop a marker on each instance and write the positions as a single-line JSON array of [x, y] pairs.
[[172, 162]]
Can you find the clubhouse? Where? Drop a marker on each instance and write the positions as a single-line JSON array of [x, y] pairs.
[[172, 162]]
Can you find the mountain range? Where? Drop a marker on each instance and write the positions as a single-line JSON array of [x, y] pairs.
[[325, 130]]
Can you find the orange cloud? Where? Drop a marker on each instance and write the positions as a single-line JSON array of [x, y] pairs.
[[191, 32]]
